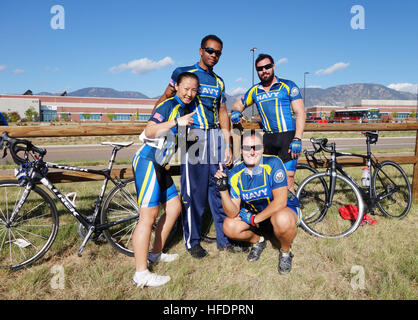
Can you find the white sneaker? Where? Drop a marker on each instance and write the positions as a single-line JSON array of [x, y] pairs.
[[168, 257], [150, 280], [163, 257]]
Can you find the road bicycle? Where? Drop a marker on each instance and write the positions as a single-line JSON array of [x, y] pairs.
[[28, 216], [324, 194]]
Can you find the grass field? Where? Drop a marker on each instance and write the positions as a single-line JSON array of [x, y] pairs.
[[383, 255]]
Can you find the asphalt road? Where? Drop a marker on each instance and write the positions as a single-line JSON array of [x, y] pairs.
[[102, 152]]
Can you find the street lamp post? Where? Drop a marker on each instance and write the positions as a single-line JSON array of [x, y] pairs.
[[304, 87], [252, 67]]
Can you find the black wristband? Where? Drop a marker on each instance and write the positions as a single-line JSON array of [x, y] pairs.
[[175, 121], [298, 139]]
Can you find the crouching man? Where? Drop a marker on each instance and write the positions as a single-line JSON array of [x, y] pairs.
[[256, 199]]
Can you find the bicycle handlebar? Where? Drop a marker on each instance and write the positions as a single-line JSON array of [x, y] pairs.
[[323, 145], [17, 145]]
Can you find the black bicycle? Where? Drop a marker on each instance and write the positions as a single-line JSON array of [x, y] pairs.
[[324, 195], [29, 217]]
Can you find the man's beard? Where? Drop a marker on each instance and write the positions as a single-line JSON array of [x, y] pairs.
[[268, 80]]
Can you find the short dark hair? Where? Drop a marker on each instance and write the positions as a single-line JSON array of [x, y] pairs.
[[183, 75], [250, 133], [262, 56], [210, 37]]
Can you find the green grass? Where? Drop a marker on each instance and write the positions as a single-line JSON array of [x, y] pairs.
[[322, 268]]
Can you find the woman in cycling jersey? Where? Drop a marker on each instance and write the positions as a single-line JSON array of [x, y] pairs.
[[154, 184]]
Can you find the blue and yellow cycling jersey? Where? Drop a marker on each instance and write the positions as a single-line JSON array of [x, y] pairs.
[[211, 93], [274, 106], [256, 190], [167, 110]]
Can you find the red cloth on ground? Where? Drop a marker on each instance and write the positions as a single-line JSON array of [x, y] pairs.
[[350, 212]]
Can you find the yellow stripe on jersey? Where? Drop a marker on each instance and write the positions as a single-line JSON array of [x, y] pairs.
[[265, 117], [286, 86], [234, 182], [202, 109], [250, 100]]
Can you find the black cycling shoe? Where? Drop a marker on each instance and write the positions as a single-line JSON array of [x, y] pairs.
[[256, 250], [285, 262], [198, 252]]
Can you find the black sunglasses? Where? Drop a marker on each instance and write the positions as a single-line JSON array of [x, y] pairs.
[[256, 147], [211, 51], [267, 67]]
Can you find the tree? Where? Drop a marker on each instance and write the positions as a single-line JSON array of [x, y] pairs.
[[13, 116], [413, 114], [111, 116], [332, 114], [394, 114], [31, 114]]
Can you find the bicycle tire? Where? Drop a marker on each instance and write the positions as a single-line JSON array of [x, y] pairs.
[[33, 230], [385, 176], [117, 207], [303, 174], [313, 204], [307, 170]]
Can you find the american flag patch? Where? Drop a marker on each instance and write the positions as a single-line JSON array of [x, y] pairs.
[[158, 116]]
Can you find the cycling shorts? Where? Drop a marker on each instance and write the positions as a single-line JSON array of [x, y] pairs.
[[154, 185], [277, 144]]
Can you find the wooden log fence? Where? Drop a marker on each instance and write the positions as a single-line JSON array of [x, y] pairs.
[[136, 129]]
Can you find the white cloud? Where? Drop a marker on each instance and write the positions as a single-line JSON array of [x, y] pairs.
[[408, 87], [141, 66], [332, 69], [18, 71], [237, 91], [282, 60], [2, 67], [240, 79]]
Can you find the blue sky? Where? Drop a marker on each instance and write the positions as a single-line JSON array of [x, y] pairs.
[[135, 45]]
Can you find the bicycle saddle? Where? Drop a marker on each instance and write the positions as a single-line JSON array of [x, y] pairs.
[[118, 144]]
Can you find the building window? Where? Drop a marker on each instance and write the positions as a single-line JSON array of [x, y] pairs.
[[65, 116], [122, 117], [403, 115], [90, 116], [141, 117], [48, 115]]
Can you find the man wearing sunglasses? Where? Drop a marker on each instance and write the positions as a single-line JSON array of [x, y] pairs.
[[282, 114], [257, 201], [211, 131]]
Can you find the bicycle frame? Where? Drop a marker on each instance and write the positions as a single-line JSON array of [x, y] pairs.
[[334, 166], [93, 226]]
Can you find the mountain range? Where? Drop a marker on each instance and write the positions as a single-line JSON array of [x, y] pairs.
[[338, 95]]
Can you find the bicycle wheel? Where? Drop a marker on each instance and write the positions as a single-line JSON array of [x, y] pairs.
[[302, 172], [390, 184], [33, 229], [321, 217], [121, 204]]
